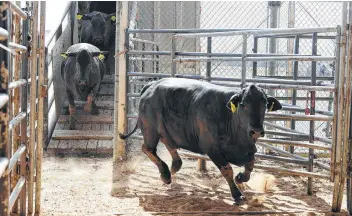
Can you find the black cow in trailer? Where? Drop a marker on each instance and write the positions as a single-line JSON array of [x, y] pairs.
[[221, 122]]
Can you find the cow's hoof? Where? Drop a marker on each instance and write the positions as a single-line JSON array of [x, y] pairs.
[[94, 111], [88, 107], [240, 200], [240, 178], [176, 166], [165, 179], [72, 127]]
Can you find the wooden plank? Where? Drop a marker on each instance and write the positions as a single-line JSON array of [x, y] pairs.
[[82, 135], [105, 119], [100, 104]]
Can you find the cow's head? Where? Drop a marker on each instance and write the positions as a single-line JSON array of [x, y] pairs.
[[84, 62], [101, 25], [250, 104]]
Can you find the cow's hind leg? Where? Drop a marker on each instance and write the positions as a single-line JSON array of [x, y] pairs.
[[72, 110], [164, 171], [90, 106], [226, 170], [176, 160]]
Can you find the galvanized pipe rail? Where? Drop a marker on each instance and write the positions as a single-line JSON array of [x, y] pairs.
[[12, 140]]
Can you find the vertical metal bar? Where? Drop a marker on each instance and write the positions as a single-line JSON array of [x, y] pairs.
[[120, 115], [336, 104], [42, 88], [273, 7], [244, 62], [158, 58], [24, 104], [255, 50], [347, 121], [4, 123], [16, 106], [338, 161], [143, 62], [202, 162], [33, 97], [10, 66], [294, 92], [312, 112], [173, 50]]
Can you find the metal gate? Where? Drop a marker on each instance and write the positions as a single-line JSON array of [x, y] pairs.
[[143, 62], [22, 94]]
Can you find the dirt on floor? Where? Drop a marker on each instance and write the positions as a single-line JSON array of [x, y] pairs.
[[94, 186]]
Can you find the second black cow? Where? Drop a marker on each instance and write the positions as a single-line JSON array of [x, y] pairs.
[[82, 70], [221, 122]]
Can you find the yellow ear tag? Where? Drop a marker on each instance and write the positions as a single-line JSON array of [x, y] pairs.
[[64, 55], [101, 56], [271, 107], [113, 18], [78, 16], [233, 107]]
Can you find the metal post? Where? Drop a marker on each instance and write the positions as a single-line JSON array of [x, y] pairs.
[[33, 95], [338, 147], [255, 50], [312, 112], [16, 108], [173, 51], [244, 62], [42, 88], [294, 92], [4, 123], [24, 104], [201, 162], [120, 120]]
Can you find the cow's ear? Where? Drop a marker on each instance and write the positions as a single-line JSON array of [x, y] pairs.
[[273, 104], [112, 17], [232, 104], [82, 16]]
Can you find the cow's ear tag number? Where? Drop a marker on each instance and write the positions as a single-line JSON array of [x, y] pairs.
[[64, 55], [101, 56], [113, 18], [233, 107], [79, 17], [271, 107]]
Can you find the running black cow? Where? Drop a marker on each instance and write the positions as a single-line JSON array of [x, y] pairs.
[[221, 122], [82, 71]]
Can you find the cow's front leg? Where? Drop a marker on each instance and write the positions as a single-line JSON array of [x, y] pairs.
[[90, 106], [244, 177], [72, 110], [226, 170]]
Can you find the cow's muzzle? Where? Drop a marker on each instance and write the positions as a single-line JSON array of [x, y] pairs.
[[256, 133], [82, 82]]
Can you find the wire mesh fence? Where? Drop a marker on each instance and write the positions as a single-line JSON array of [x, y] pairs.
[[237, 15]]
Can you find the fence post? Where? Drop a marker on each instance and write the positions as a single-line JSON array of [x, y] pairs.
[[42, 91], [294, 92], [33, 97], [273, 22], [338, 172], [349, 180], [120, 111], [24, 106], [312, 112], [4, 124], [244, 62]]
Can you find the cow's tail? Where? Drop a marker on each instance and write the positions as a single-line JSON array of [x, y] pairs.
[[125, 136]]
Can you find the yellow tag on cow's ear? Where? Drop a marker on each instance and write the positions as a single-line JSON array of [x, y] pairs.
[[101, 56], [64, 55], [78, 16], [233, 107], [113, 18], [271, 107]]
